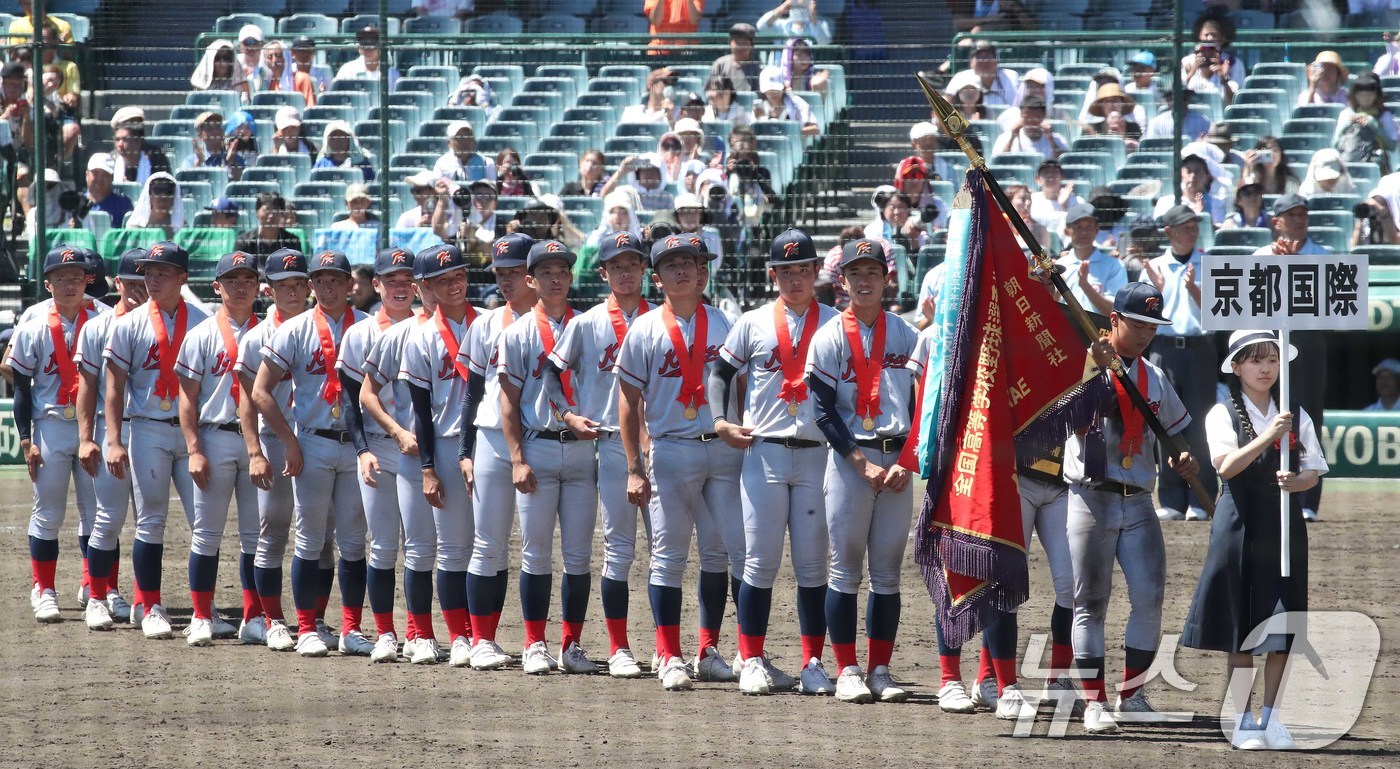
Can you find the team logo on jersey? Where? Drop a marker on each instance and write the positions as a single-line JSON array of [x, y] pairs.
[[399, 257], [609, 359], [671, 367], [770, 364], [622, 239], [317, 365], [152, 361], [51, 368], [891, 361], [446, 370], [540, 363], [223, 363]]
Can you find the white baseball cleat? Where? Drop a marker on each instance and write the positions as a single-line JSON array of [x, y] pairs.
[[461, 653], [46, 608], [736, 666], [84, 593], [34, 593], [1097, 719], [1248, 735], [1170, 514], [1277, 736], [754, 678], [1012, 705], [815, 680], [984, 694], [253, 632], [1194, 513], [952, 698], [882, 685], [575, 660], [97, 616], [536, 659], [487, 655], [329, 638], [712, 667], [1137, 710], [850, 686], [623, 665], [156, 623], [136, 615], [279, 636], [311, 645], [355, 644], [118, 607], [222, 627], [386, 648], [200, 632], [425, 652], [673, 676]]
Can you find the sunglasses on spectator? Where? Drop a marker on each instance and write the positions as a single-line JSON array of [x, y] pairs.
[[671, 146]]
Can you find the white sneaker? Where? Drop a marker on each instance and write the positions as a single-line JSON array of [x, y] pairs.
[[329, 638], [34, 596], [952, 698], [84, 593], [984, 694], [425, 652], [1194, 513], [354, 643], [222, 627], [136, 615], [279, 636], [575, 660], [1309, 515], [673, 676], [1277, 736], [815, 680], [882, 685], [736, 665], [118, 607], [408, 647], [781, 681], [311, 645], [253, 632], [1136, 709], [623, 665], [536, 659], [712, 667], [386, 648], [850, 686], [46, 608], [1170, 514], [1248, 735], [754, 678], [97, 616], [486, 655], [1061, 688], [461, 653], [1097, 719], [156, 623], [200, 633], [1012, 706]]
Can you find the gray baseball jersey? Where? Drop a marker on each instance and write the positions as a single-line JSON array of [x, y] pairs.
[[353, 359], [296, 347], [40, 309], [830, 360], [752, 346], [649, 362], [32, 354], [382, 364], [133, 347], [250, 358], [205, 357], [480, 356], [923, 347], [522, 357], [427, 363], [92, 340], [588, 346], [1143, 474]]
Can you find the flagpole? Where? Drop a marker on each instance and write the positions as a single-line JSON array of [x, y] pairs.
[[955, 126]]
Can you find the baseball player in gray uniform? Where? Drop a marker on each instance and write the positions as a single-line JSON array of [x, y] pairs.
[[218, 458], [378, 454], [553, 469], [860, 375], [46, 391], [483, 456], [784, 463], [1111, 471], [665, 361], [113, 494], [284, 275], [96, 288], [142, 385], [587, 348], [320, 455], [436, 377]]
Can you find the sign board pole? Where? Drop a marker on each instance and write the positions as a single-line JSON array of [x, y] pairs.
[[1285, 535]]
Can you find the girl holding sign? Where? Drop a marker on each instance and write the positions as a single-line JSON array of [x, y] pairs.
[[1240, 587]]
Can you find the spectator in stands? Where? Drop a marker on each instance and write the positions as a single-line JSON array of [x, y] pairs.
[[54, 215], [100, 195], [1114, 110], [461, 162], [270, 234], [63, 87], [22, 26], [690, 214], [1212, 67], [796, 18], [217, 71], [798, 72], [1020, 197], [240, 131], [423, 186], [719, 94], [286, 136], [1387, 374], [1389, 62], [278, 73], [1223, 137], [661, 84], [776, 103], [1249, 209], [649, 180], [1202, 188], [482, 225], [506, 156], [1142, 82], [1290, 225], [211, 149], [668, 157], [1145, 241], [721, 210], [750, 183], [964, 91], [473, 91], [672, 17], [459, 9], [223, 213], [619, 215], [250, 58], [362, 293], [981, 16], [1327, 79], [1111, 213], [829, 289], [1194, 126], [1366, 131], [1327, 174], [358, 204], [739, 66], [134, 159], [160, 205], [367, 65], [1384, 205], [304, 60], [912, 177], [1038, 83], [1031, 133], [19, 118], [998, 84], [690, 171], [592, 176], [1093, 276], [547, 212], [895, 225], [692, 139], [1267, 166], [1054, 197], [340, 149], [513, 182]]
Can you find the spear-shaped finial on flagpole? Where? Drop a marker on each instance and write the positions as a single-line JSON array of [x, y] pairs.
[[954, 124]]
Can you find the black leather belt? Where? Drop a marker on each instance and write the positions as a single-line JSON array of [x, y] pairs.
[[230, 427], [793, 443], [703, 437], [339, 436], [173, 421], [1114, 487], [885, 445], [557, 436]]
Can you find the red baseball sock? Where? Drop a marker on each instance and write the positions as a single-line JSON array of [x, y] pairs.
[[422, 626], [252, 607], [203, 603], [572, 631], [87, 581], [749, 645], [845, 655], [1005, 672], [951, 665], [272, 607], [708, 638], [812, 646], [112, 578], [1061, 655], [617, 633], [485, 627], [350, 617], [1093, 689], [44, 573], [534, 631], [383, 623], [306, 621], [668, 641], [984, 666], [99, 587], [1128, 675], [456, 621], [148, 598], [878, 652]]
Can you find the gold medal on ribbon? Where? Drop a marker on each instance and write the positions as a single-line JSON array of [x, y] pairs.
[[69, 412], [1127, 463], [691, 412], [165, 404], [335, 411], [792, 408], [868, 423]]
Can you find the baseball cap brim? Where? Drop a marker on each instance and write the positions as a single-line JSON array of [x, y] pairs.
[[659, 256], [1144, 318], [624, 250], [329, 268], [276, 276]]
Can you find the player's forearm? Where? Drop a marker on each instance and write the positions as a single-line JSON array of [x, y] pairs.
[[87, 406], [630, 425], [718, 389], [510, 421], [263, 398], [115, 403], [370, 403], [829, 421], [354, 420], [476, 389], [423, 426], [24, 406], [188, 410], [248, 418]]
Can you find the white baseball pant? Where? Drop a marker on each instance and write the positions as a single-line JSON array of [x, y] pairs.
[[158, 456], [566, 492], [57, 440], [327, 494], [493, 503], [228, 479], [1103, 526], [275, 507], [383, 523], [417, 516], [1045, 508], [866, 525], [113, 495], [782, 491], [693, 487], [454, 521], [619, 515]]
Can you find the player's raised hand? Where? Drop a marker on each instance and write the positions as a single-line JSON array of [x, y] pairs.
[[369, 468]]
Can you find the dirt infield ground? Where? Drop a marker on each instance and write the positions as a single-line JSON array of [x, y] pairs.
[[75, 699]]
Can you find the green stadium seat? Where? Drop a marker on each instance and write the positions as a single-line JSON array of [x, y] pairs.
[[1381, 255], [497, 23], [216, 178], [652, 131], [1254, 237], [229, 26], [612, 100], [1329, 111], [1112, 145], [1324, 202], [574, 145], [314, 212], [205, 246], [284, 177], [1335, 238], [300, 164], [280, 99], [313, 24], [118, 241], [474, 115], [594, 131], [432, 25], [353, 24], [1342, 220]]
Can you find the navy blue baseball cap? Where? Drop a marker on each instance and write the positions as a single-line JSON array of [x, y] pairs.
[[97, 269], [792, 247], [619, 243], [284, 263], [1288, 202], [544, 250], [865, 248], [66, 256], [129, 264], [235, 261], [438, 260], [1141, 302], [680, 244], [511, 250], [327, 261], [392, 260], [166, 252]]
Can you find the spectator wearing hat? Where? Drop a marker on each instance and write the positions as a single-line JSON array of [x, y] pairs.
[[1114, 113], [648, 179], [924, 139], [357, 203], [964, 91], [1093, 276], [461, 162], [211, 149], [223, 213], [1366, 130], [1142, 84], [423, 186], [1223, 137], [340, 149], [160, 205], [1212, 67], [54, 215], [22, 26], [913, 178], [459, 9], [218, 70], [1387, 374], [1037, 83], [270, 235], [1249, 209], [133, 159], [287, 138], [720, 104], [669, 158], [1267, 166], [1290, 223], [692, 138], [690, 213], [1383, 203], [739, 66], [659, 104], [1111, 212], [1327, 175], [250, 50], [99, 193], [796, 18], [1054, 198], [304, 60], [1031, 133], [1327, 79], [672, 17], [279, 73], [777, 103], [1105, 76], [367, 65], [473, 91], [1206, 187], [998, 85], [799, 74]]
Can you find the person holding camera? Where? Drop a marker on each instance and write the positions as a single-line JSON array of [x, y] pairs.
[[481, 226], [100, 196], [1366, 130], [1327, 79], [211, 150], [1212, 67], [1267, 166], [430, 199], [661, 90]]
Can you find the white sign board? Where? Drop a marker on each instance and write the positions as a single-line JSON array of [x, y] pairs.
[[1300, 292]]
